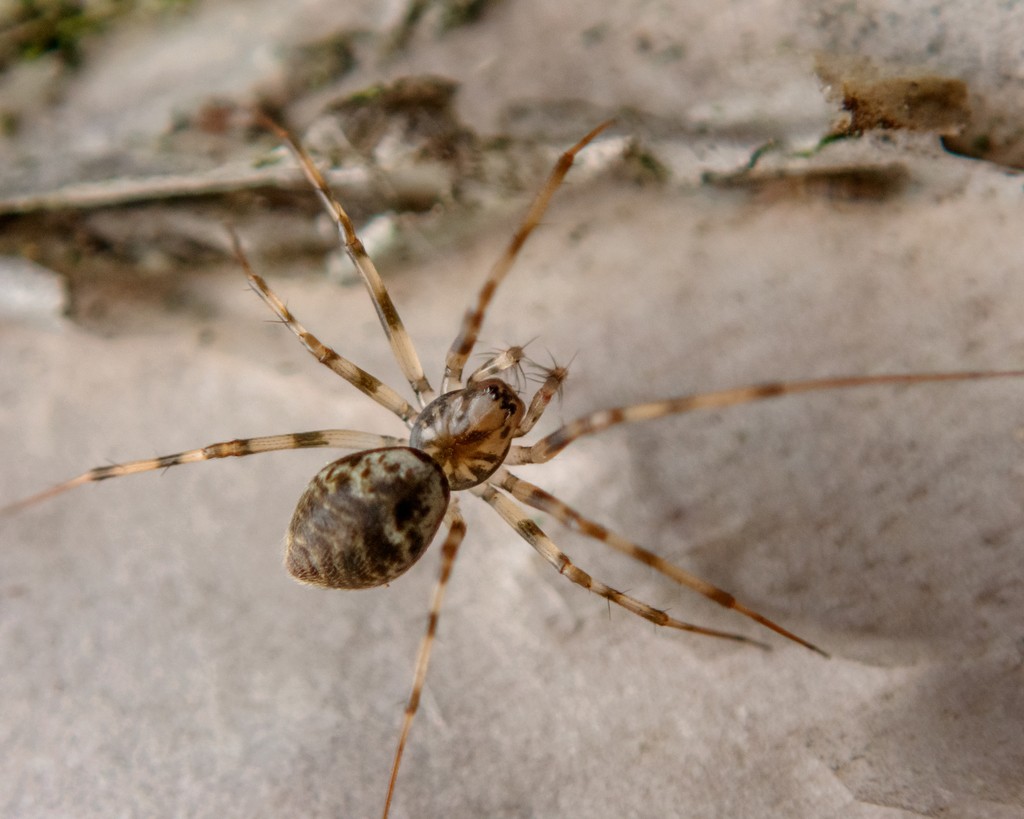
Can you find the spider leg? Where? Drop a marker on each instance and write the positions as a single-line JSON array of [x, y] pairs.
[[515, 517], [398, 337], [537, 498], [548, 447], [338, 438], [338, 364], [450, 548], [473, 319]]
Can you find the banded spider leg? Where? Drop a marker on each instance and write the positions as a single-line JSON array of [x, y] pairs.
[[366, 518]]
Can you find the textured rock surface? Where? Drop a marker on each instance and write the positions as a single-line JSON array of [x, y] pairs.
[[158, 660]]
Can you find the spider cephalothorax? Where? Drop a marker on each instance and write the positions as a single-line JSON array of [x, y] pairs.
[[468, 432]]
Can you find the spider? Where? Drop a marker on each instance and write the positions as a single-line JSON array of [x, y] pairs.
[[366, 518]]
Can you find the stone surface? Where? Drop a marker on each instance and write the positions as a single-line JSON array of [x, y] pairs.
[[157, 660]]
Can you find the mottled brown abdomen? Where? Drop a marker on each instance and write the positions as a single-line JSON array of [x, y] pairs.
[[365, 519]]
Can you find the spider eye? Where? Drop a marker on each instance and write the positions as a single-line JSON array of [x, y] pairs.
[[365, 519]]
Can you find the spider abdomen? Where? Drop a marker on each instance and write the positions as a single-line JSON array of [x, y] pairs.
[[468, 432], [365, 519]]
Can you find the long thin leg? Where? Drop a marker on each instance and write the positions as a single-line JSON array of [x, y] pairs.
[[401, 344], [537, 498], [338, 438], [548, 447], [473, 319], [450, 548], [338, 364], [532, 534]]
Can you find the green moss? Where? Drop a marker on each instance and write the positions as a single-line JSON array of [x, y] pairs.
[[33, 28]]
